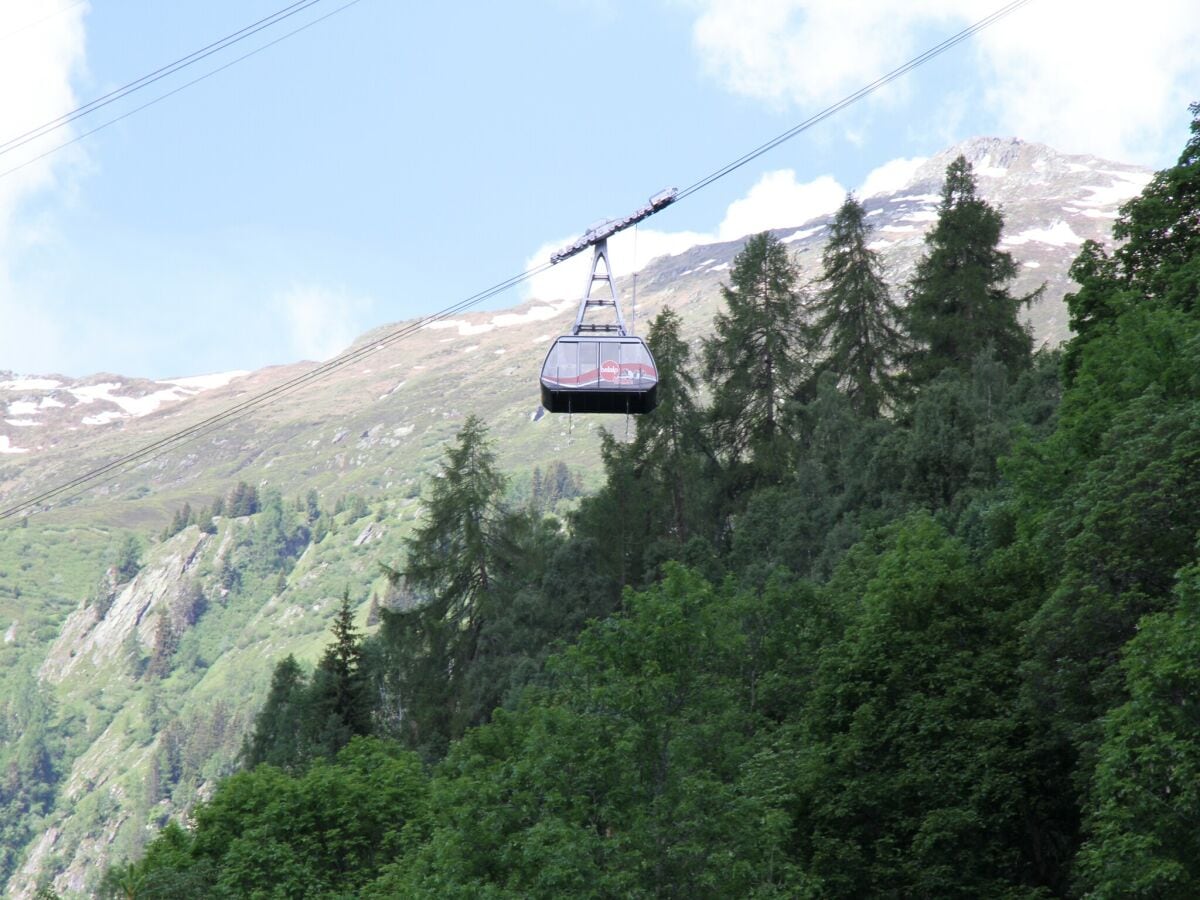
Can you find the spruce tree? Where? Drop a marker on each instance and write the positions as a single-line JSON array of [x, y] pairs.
[[451, 563], [856, 323], [277, 738], [755, 360], [669, 443], [340, 706], [958, 302], [449, 556]]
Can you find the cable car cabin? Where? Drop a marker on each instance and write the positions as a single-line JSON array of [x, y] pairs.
[[595, 373]]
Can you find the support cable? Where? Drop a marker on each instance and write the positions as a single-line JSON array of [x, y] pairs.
[[192, 58], [176, 90]]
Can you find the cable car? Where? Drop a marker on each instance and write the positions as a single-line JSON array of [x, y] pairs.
[[599, 368]]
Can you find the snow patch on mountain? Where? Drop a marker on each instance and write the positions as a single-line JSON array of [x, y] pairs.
[[6, 447], [795, 236], [1058, 235], [205, 382], [538, 313], [133, 406], [29, 384], [1124, 186]]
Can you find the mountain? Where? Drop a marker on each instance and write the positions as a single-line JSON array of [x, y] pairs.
[[130, 691]]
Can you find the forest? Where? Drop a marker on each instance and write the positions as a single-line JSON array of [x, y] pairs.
[[878, 602]]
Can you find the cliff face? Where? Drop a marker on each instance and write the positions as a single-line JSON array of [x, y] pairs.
[[157, 680]]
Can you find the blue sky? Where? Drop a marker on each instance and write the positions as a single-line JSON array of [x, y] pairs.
[[394, 158]]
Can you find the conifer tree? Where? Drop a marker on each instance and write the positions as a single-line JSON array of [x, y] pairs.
[[958, 302], [277, 738], [129, 558], [755, 360], [340, 705], [669, 442], [451, 562], [856, 323], [449, 556]]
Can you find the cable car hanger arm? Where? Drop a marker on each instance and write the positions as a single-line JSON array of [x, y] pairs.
[[662, 199]]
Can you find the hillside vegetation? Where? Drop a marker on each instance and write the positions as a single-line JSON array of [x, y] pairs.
[[878, 602]]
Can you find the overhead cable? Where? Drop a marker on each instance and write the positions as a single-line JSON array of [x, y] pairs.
[[145, 81], [176, 90]]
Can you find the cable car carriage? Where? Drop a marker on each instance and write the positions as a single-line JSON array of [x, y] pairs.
[[601, 368]]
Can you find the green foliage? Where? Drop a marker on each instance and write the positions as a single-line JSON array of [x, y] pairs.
[[323, 833], [958, 305], [626, 777], [278, 738], [338, 704], [1145, 794], [128, 560], [1159, 256], [557, 483], [242, 500], [659, 500], [31, 762], [910, 775], [303, 719], [451, 562]]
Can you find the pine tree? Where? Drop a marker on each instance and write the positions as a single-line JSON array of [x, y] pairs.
[[669, 443], [242, 500], [450, 561], [128, 562], [958, 302], [339, 703], [277, 738], [449, 556], [856, 325], [537, 500], [755, 361]]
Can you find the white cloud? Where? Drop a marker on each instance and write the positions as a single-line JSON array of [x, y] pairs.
[[1106, 78], [890, 177], [1098, 77], [807, 52], [322, 322], [40, 49], [39, 53], [778, 201]]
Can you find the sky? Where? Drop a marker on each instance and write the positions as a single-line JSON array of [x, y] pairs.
[[393, 158]]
